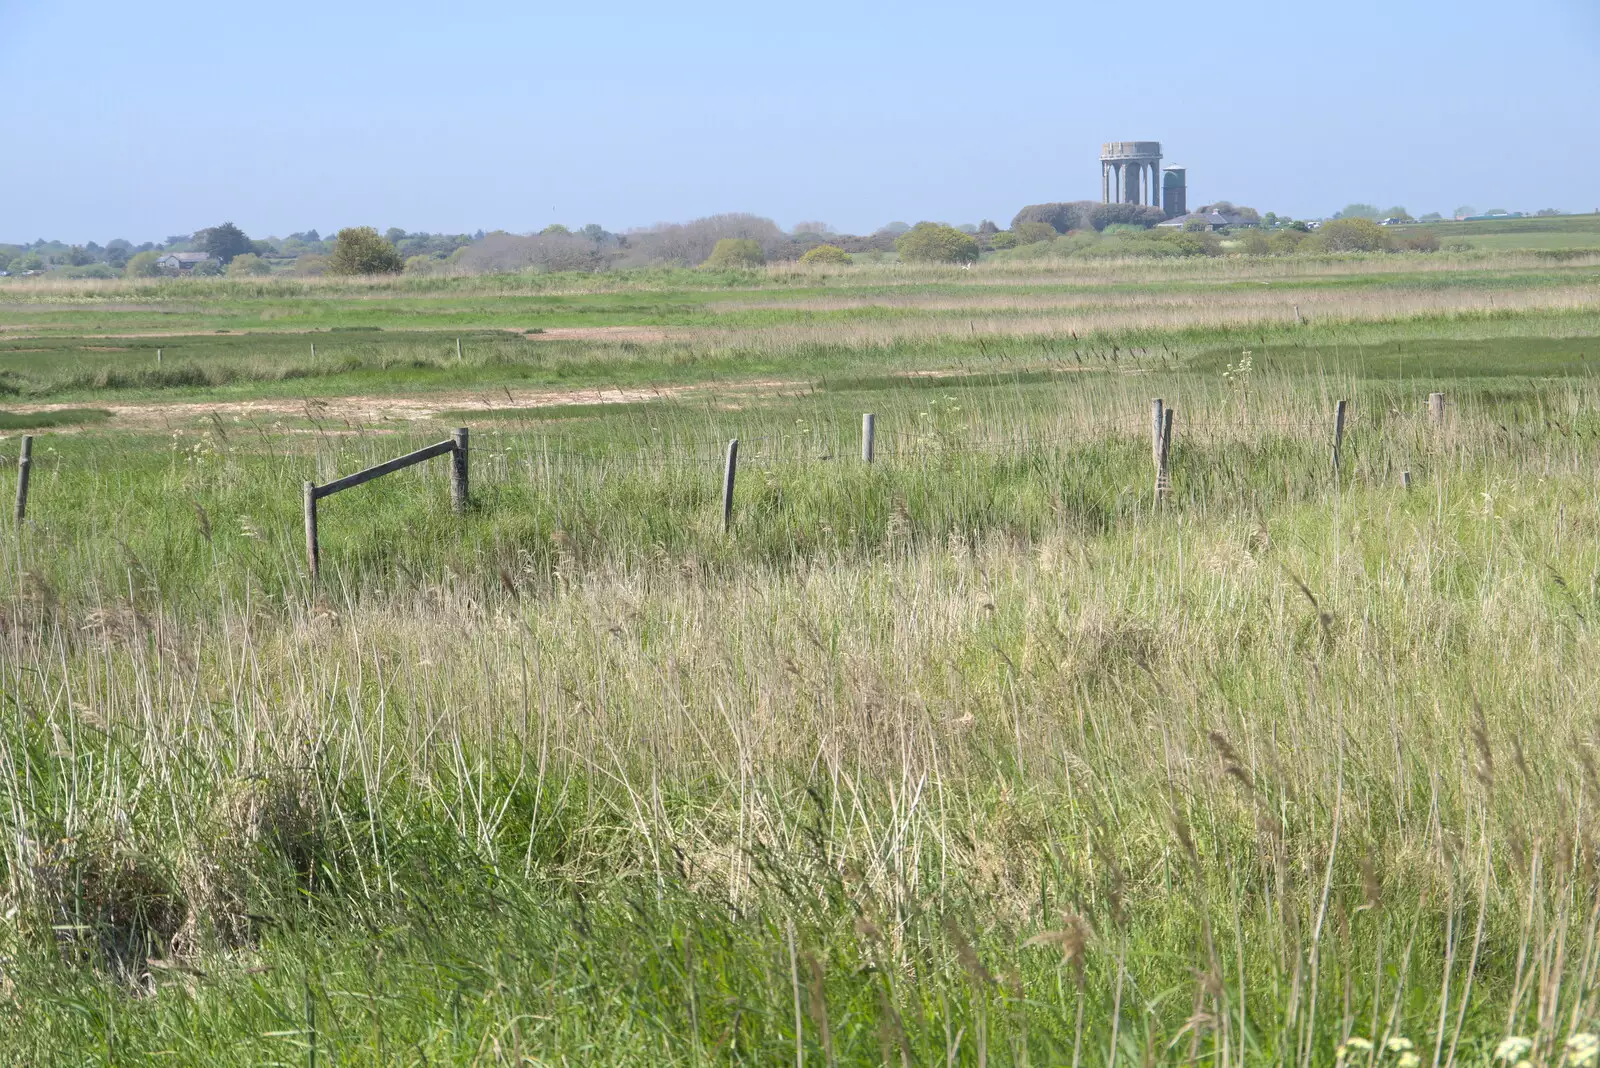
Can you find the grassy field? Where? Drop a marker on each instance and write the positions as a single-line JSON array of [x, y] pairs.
[[977, 754]]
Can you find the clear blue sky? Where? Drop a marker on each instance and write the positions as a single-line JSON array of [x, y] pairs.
[[140, 120]]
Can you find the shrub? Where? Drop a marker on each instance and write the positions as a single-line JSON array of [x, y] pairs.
[[827, 254], [930, 242], [1059, 217], [143, 265], [736, 252], [1029, 232], [1418, 241], [1101, 216], [1353, 235], [247, 264], [362, 250], [1003, 240], [1256, 243]]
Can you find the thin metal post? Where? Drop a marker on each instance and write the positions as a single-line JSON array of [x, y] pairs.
[[313, 554], [24, 465], [727, 483], [458, 470], [868, 435]]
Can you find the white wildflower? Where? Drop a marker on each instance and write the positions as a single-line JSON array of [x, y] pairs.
[[1583, 1049], [1398, 1044], [1512, 1049], [1408, 1060]]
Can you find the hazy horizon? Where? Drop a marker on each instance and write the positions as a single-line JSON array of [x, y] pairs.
[[152, 123]]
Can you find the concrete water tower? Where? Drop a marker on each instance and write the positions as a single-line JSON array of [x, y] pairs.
[[1130, 172]]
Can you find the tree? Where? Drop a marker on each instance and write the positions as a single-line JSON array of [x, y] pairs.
[[31, 261], [1354, 235], [78, 256], [1400, 213], [362, 250], [143, 265], [931, 242], [813, 226], [1548, 212], [1003, 240], [247, 265], [896, 227], [224, 242], [1464, 210], [1359, 211], [987, 226], [394, 235], [595, 232], [829, 255], [554, 228], [736, 252], [1432, 216]]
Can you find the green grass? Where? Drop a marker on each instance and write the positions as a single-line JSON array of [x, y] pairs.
[[57, 417], [977, 754]]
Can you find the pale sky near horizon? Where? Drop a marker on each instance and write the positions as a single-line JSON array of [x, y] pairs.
[[139, 121]]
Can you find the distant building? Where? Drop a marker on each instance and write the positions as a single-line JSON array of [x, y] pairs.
[[178, 262]]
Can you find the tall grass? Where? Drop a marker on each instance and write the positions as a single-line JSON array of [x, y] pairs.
[[974, 755]]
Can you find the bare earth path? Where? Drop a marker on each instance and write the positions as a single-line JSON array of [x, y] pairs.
[[368, 410]]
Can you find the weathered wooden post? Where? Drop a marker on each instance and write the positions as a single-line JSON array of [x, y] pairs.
[[458, 350], [1156, 420], [1436, 409], [24, 465], [458, 470], [727, 483], [1405, 480], [158, 355], [868, 436], [1338, 435], [1164, 478], [313, 553]]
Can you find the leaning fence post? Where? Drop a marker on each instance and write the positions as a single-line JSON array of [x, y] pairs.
[[868, 436], [458, 470], [727, 483], [1338, 435], [313, 556], [1436, 409], [24, 465]]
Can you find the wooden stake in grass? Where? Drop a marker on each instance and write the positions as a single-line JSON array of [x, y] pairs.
[[1405, 480], [24, 465], [458, 350], [727, 483], [313, 555], [1161, 445], [458, 470], [1338, 436], [1436, 409], [868, 436]]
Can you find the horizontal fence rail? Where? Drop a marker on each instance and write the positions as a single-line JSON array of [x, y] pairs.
[[455, 447]]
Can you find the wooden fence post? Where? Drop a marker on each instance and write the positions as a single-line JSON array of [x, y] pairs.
[[1436, 409], [24, 465], [1338, 435], [727, 483], [1156, 421], [1405, 480], [158, 355], [868, 436], [458, 350], [458, 471], [313, 554], [1164, 479]]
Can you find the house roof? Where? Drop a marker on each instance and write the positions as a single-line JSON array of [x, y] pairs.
[[187, 257]]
